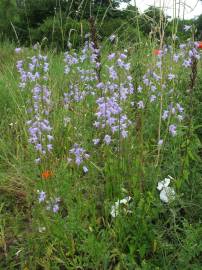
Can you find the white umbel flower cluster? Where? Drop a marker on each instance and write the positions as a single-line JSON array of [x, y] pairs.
[[167, 194]]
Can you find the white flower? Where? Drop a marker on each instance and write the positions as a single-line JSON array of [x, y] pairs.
[[180, 117], [187, 28], [112, 38], [37, 160], [36, 46], [69, 160], [42, 229], [114, 211], [115, 208], [175, 37], [163, 184], [167, 194], [125, 200], [66, 121], [160, 142], [85, 169], [69, 45], [140, 104]]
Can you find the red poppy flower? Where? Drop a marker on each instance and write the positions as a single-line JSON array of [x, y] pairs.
[[46, 174]]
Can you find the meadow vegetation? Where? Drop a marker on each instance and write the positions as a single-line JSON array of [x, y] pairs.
[[100, 153]]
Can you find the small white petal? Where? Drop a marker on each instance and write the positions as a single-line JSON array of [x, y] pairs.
[[167, 194], [163, 184], [114, 211], [125, 200], [170, 177]]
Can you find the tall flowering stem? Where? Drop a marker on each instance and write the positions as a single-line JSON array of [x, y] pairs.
[[194, 57], [161, 108], [34, 81], [95, 47]]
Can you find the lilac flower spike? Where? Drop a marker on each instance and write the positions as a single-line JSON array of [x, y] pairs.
[[112, 73], [42, 196], [111, 56], [179, 107], [80, 155], [176, 58], [160, 142], [54, 205], [153, 88], [123, 56], [182, 46], [139, 89], [115, 93], [187, 63], [171, 76], [107, 139], [165, 115], [96, 141], [172, 130], [55, 208], [35, 78], [152, 98], [18, 50]]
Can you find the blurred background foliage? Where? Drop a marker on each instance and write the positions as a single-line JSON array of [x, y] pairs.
[[26, 22]]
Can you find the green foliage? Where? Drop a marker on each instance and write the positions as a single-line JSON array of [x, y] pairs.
[[125, 32], [31, 19], [83, 235], [147, 234], [8, 18], [58, 33], [151, 19], [199, 26], [26, 21], [190, 255]]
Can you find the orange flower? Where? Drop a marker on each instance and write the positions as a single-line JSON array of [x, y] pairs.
[[156, 52], [200, 44], [46, 174]]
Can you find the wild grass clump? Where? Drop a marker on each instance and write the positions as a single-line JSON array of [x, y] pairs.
[[100, 157]]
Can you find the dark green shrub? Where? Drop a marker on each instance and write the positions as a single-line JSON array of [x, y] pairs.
[[126, 32], [59, 32]]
